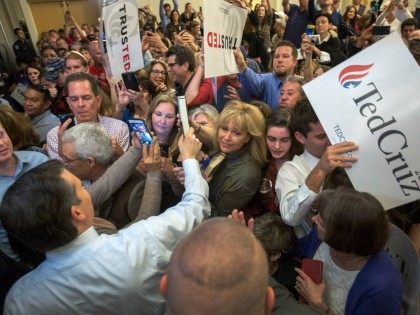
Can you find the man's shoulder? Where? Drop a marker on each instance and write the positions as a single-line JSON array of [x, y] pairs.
[[32, 157], [108, 121]]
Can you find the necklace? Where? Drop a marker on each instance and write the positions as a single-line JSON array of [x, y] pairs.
[[346, 261]]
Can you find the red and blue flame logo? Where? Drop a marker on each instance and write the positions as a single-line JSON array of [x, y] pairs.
[[351, 76]]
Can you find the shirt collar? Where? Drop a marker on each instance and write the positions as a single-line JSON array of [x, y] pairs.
[[312, 160], [21, 163], [86, 237], [37, 119]]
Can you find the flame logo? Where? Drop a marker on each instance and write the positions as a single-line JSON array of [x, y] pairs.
[[351, 76]]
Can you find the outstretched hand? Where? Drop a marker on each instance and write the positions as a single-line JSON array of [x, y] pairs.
[[238, 216]]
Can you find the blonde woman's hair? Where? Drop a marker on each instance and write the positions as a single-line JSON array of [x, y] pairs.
[[248, 119]]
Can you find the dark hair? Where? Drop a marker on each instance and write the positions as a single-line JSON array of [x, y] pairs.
[[355, 222], [302, 116], [286, 43], [82, 76], [170, 15], [19, 128], [191, 25], [281, 118], [264, 108], [36, 208], [337, 179], [48, 47], [410, 22], [34, 65], [326, 15], [41, 89], [147, 85], [17, 29], [182, 54], [274, 236]]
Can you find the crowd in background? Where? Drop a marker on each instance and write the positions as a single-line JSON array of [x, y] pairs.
[[254, 139]]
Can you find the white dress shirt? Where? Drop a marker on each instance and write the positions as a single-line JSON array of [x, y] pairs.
[[295, 197], [112, 274]]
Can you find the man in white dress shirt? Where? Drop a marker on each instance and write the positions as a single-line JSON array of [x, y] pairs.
[[300, 180], [49, 210]]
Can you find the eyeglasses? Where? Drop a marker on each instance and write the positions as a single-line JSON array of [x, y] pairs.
[[67, 163], [170, 65], [157, 72]]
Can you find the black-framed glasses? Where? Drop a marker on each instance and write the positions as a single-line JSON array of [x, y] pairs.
[[68, 162]]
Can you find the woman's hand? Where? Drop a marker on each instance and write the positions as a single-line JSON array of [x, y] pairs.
[[161, 87], [313, 293]]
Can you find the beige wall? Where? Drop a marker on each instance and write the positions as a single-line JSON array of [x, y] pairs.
[[49, 15]]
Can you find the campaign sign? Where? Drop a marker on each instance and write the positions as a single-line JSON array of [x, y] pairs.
[[223, 27], [373, 100], [122, 37], [19, 93]]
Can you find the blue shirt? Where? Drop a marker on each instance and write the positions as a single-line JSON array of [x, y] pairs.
[[296, 25], [266, 86], [26, 160]]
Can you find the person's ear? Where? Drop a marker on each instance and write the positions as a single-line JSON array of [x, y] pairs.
[[91, 161], [77, 214], [269, 300], [163, 285], [99, 99], [300, 137]]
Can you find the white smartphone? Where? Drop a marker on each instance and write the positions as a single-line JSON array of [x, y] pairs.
[[183, 114]]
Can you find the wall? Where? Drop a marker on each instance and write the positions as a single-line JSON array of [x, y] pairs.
[[49, 15]]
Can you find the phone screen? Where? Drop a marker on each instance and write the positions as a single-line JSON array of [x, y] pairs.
[[141, 131], [63, 118], [130, 81]]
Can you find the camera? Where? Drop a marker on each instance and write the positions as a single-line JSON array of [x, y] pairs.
[[315, 39]]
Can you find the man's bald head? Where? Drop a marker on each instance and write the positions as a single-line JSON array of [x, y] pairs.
[[220, 268]]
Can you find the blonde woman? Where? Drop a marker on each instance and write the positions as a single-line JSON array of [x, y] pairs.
[[234, 171]]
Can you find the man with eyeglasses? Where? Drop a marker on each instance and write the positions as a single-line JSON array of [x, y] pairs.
[[84, 101], [188, 77]]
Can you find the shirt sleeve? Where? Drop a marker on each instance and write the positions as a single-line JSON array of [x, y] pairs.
[[204, 96], [253, 82], [165, 230], [52, 144], [114, 177], [295, 197]]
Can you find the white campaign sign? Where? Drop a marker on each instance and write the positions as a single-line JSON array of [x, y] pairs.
[[19, 93], [122, 34], [373, 100], [223, 27]]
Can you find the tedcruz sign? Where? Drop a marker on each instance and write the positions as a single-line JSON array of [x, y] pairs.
[[122, 37], [223, 27], [374, 102]]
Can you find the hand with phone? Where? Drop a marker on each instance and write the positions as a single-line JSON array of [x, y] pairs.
[[311, 291], [189, 145]]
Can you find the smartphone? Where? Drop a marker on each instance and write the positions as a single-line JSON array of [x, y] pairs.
[[130, 81], [64, 117], [313, 268], [183, 114], [164, 150], [381, 30], [140, 129]]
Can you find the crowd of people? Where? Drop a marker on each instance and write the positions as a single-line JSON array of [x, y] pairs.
[[212, 221]]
